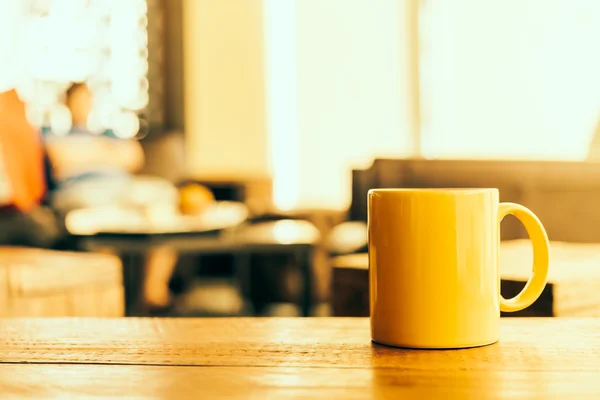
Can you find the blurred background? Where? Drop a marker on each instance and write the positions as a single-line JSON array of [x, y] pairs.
[[209, 157]]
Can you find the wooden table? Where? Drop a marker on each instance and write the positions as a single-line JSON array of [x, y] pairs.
[[329, 358]]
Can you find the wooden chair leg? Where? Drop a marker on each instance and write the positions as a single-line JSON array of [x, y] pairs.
[[159, 266]]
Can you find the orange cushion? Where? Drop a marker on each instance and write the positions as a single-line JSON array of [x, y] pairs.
[[21, 153]]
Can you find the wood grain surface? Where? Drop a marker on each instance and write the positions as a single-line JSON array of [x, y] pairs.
[[288, 358], [536, 344], [156, 382]]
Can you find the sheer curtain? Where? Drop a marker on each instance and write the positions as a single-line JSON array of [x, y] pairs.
[[337, 95], [509, 78]]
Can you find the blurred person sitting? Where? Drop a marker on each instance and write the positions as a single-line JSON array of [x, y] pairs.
[[24, 220], [90, 170]]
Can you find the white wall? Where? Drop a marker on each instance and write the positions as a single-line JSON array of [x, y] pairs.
[[511, 78], [345, 95]]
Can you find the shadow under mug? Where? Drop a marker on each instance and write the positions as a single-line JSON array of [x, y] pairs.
[[433, 266]]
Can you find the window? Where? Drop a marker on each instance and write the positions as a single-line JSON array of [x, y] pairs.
[[337, 95], [509, 78], [497, 79]]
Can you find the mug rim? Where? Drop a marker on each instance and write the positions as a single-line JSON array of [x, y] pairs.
[[433, 190]]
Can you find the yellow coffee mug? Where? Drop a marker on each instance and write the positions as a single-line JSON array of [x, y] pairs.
[[433, 266]]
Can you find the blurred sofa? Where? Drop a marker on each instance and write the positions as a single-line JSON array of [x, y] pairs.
[[564, 195]]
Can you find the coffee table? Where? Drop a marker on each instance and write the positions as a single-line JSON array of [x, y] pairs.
[[298, 238], [281, 358]]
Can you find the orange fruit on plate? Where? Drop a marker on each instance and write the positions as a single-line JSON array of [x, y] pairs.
[[194, 199]]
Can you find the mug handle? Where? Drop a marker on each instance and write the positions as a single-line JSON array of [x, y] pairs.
[[541, 257]]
